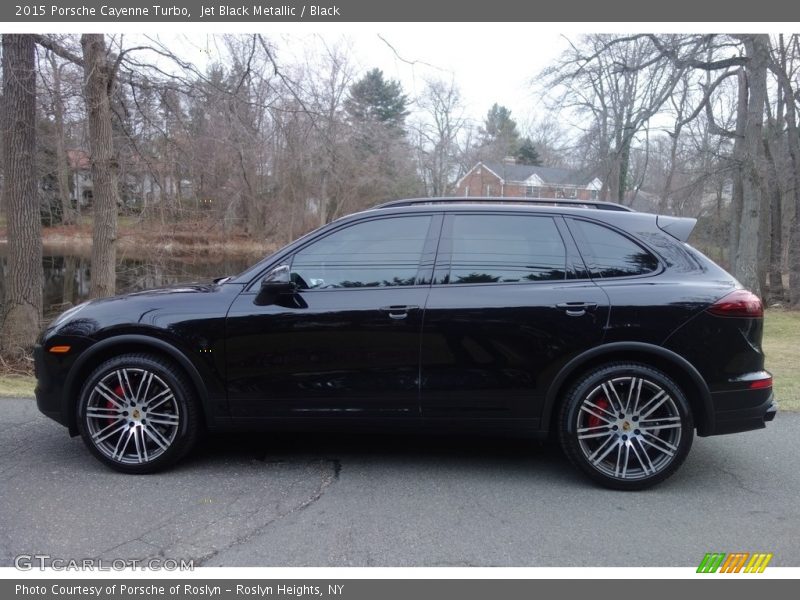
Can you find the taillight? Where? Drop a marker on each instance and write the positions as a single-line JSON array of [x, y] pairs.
[[761, 384], [739, 303]]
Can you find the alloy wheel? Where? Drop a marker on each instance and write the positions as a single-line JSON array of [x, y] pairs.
[[132, 416], [629, 428]]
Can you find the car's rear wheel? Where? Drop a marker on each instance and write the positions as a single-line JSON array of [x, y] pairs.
[[626, 425], [137, 413]]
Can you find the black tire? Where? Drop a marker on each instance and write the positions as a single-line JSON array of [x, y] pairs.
[[601, 432], [141, 398]]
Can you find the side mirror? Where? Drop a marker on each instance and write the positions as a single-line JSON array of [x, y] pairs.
[[275, 283]]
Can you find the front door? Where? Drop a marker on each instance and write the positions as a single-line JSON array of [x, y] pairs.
[[347, 342]]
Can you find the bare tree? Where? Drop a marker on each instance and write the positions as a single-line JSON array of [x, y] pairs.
[[99, 79], [22, 308], [775, 195], [678, 102], [269, 149], [621, 83], [552, 142], [747, 260], [779, 65], [438, 135], [62, 165], [100, 70]]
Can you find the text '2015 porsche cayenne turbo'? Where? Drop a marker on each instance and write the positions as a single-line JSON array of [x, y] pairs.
[[584, 320]]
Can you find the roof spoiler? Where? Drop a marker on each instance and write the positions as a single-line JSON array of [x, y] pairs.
[[678, 227]]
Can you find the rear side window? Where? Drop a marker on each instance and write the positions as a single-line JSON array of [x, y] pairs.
[[505, 249], [379, 253], [610, 254]]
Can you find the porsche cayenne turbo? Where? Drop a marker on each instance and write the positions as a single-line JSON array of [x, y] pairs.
[[582, 321]]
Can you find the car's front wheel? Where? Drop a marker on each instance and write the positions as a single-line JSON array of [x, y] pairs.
[[137, 413], [626, 425]]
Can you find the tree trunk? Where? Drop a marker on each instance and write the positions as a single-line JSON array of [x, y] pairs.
[[776, 291], [104, 165], [793, 144], [62, 164], [747, 254], [624, 162], [22, 308], [739, 151], [719, 229], [764, 223], [71, 266], [324, 201], [664, 202]]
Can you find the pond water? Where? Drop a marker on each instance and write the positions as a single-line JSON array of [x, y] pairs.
[[67, 276]]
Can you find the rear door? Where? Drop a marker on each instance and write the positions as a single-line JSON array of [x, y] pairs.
[[646, 305], [510, 304]]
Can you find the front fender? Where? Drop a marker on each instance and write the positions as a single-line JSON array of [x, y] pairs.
[[214, 403]]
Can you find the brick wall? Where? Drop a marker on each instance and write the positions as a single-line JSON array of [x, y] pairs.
[[480, 182]]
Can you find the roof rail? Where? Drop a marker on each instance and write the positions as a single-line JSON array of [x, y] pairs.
[[597, 204]]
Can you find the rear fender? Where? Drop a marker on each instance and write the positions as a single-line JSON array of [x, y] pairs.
[[674, 364]]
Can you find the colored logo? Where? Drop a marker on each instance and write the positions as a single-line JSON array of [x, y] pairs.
[[737, 562]]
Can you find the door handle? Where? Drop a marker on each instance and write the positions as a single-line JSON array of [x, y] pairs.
[[398, 311], [576, 309]]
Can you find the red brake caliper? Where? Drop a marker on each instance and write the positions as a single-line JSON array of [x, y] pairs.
[[109, 404], [594, 421]]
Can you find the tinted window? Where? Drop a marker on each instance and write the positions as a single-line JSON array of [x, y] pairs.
[[505, 249], [384, 252], [609, 254]]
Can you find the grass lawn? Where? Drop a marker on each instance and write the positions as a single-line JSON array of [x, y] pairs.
[[781, 345], [17, 386]]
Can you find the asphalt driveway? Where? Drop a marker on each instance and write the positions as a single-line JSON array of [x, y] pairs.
[[344, 500]]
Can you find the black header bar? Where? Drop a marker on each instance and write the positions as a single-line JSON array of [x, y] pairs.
[[343, 11]]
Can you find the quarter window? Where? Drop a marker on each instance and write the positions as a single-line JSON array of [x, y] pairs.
[[609, 254], [379, 253], [505, 249]]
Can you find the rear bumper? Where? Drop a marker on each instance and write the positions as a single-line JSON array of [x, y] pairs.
[[742, 410]]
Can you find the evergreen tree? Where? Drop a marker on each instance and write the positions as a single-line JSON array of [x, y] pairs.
[[526, 153], [499, 135], [375, 99]]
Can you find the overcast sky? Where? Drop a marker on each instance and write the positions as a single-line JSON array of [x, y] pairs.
[[495, 67], [489, 64]]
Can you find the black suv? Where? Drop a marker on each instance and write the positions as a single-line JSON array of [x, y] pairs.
[[580, 319]]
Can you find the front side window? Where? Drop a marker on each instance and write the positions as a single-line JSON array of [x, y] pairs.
[[505, 249], [379, 253], [610, 254]]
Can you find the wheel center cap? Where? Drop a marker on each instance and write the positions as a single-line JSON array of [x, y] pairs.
[[136, 414], [626, 426]]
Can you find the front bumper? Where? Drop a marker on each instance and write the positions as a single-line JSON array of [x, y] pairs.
[[742, 410], [48, 392], [51, 374]]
